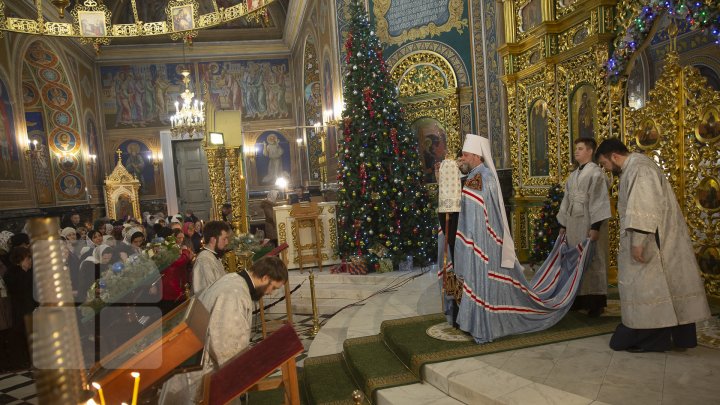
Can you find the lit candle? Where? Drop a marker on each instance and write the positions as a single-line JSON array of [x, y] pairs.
[[177, 107], [136, 388], [100, 392]]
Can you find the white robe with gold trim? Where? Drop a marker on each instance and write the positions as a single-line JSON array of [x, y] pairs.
[[667, 289]]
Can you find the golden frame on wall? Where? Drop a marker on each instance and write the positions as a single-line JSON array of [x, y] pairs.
[[707, 194], [707, 129], [647, 135], [428, 90], [455, 9], [121, 193]]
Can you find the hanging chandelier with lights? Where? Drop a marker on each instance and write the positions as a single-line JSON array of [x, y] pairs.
[[92, 23], [190, 119]]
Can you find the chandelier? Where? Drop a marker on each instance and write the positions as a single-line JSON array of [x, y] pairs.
[[190, 119], [92, 21]]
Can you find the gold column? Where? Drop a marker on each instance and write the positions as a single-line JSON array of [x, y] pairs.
[[216, 173], [237, 190], [56, 349], [509, 18]]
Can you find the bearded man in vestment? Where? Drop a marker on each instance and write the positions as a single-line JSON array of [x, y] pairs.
[[208, 267], [230, 302], [661, 292], [583, 214]]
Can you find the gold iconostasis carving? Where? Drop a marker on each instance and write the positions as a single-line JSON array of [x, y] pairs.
[[556, 92]]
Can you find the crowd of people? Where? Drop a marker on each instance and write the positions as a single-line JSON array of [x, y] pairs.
[[90, 249]]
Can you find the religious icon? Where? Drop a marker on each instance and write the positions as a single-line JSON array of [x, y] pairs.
[[432, 142], [64, 141], [583, 112], [58, 97], [9, 169], [274, 151], [182, 18], [92, 23], [530, 15], [708, 194], [537, 131], [70, 185], [647, 135], [123, 207], [709, 260], [708, 130]]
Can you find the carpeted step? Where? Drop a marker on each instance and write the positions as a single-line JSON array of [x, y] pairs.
[[328, 381], [277, 396], [374, 366], [408, 338]]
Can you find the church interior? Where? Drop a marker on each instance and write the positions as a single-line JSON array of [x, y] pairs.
[[314, 129]]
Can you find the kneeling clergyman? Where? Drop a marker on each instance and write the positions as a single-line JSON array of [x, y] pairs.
[[230, 301], [661, 292]]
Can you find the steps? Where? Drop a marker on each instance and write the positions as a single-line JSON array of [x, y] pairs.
[[333, 291]]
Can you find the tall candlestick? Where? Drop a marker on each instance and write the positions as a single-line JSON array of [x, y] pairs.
[[136, 388], [100, 392]]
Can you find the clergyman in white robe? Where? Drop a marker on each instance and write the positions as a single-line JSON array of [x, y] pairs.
[[230, 304], [661, 292], [586, 206], [207, 269]]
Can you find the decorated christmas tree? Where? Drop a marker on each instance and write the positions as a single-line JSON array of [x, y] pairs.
[[383, 209], [546, 226]]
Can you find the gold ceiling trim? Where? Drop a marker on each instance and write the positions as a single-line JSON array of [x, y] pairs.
[[92, 21]]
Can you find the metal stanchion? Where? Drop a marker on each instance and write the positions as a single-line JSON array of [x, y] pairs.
[[316, 323]]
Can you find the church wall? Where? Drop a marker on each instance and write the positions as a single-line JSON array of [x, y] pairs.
[[48, 84], [317, 81]]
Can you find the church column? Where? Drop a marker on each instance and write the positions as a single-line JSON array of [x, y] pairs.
[[237, 190], [216, 174]]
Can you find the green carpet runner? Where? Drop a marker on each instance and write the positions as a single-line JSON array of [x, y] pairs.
[[395, 357]]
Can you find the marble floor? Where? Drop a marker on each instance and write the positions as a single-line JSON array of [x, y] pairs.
[[583, 371]]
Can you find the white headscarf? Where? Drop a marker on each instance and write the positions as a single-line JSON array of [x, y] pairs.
[[96, 257], [67, 232], [475, 144], [5, 240]]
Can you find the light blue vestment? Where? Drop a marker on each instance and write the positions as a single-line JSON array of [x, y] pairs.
[[499, 301]]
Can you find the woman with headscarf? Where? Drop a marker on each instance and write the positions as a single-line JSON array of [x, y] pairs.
[[91, 268], [267, 207], [95, 239], [191, 236], [131, 244]]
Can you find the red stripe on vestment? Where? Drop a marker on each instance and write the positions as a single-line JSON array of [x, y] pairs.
[[499, 308], [470, 243]]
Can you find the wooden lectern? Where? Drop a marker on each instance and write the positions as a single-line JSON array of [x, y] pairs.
[[307, 215], [248, 370], [155, 352]]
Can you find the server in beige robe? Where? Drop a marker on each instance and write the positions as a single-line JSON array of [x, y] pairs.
[[208, 267], [230, 302], [583, 214], [661, 292]]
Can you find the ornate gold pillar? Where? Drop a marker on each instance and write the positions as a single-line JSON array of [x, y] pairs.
[[237, 190], [216, 174]]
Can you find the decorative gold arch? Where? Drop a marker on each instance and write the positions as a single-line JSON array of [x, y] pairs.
[[428, 88]]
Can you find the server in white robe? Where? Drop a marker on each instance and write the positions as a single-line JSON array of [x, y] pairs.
[[208, 267], [661, 292], [230, 302], [583, 214]]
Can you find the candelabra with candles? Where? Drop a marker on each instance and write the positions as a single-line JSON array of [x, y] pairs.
[[32, 151], [190, 119]]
